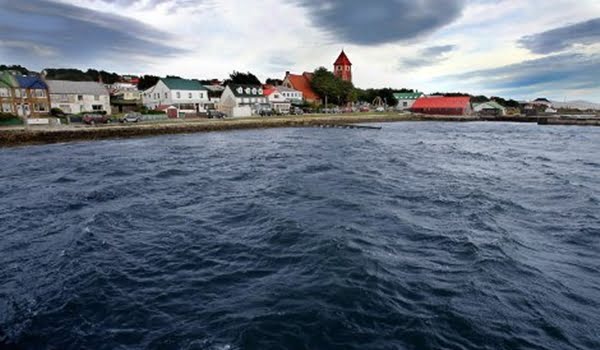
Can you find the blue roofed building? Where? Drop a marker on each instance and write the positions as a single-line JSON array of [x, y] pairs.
[[24, 95]]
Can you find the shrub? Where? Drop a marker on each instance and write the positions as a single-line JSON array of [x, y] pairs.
[[56, 112], [6, 116]]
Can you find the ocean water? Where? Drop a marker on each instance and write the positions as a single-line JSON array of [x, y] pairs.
[[417, 236]]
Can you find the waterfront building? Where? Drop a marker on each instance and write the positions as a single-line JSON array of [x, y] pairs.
[[443, 105], [489, 108], [79, 96], [278, 101], [23, 95], [240, 100], [342, 67], [301, 83], [406, 99], [188, 96]]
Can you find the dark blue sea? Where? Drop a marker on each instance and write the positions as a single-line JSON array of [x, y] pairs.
[[417, 236]]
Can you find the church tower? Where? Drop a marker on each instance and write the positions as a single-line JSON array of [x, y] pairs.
[[342, 68]]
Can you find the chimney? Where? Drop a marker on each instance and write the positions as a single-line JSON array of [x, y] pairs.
[[287, 73]]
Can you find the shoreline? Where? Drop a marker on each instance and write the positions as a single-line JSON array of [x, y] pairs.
[[12, 137]]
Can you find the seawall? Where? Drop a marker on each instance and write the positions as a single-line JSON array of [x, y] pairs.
[[34, 135]]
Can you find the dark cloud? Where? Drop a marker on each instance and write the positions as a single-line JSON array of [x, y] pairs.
[[557, 72], [383, 21], [427, 57], [562, 38], [38, 32]]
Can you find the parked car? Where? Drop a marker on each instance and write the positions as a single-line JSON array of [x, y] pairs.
[[214, 114], [265, 112], [132, 117], [380, 109], [296, 111], [93, 119], [364, 109]]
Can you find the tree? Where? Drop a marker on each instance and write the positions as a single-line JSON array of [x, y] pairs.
[[16, 68], [242, 78], [386, 94], [275, 82], [147, 81], [326, 84], [479, 99]]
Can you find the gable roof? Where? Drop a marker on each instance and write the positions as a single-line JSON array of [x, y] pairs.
[[489, 105], [243, 90], [76, 87], [342, 60], [442, 102], [182, 84], [302, 84], [407, 95], [30, 82], [7, 80]]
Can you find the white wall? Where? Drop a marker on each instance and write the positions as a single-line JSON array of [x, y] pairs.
[[160, 94], [76, 103]]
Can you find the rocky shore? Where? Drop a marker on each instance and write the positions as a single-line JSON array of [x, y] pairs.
[[41, 135]]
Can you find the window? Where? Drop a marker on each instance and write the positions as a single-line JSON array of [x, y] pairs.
[[40, 93], [190, 95], [166, 95], [96, 97], [79, 97], [405, 104], [348, 68], [40, 107], [97, 108], [18, 93], [178, 94], [201, 95], [7, 108], [4, 92]]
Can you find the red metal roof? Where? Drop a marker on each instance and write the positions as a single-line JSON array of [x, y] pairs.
[[442, 102], [342, 60], [302, 83]]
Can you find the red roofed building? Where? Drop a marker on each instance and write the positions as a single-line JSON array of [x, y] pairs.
[[442, 105], [342, 68], [302, 84]]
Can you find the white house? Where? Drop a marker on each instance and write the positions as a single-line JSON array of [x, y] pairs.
[[78, 96], [242, 100], [406, 99], [490, 108], [188, 96], [294, 96], [278, 101]]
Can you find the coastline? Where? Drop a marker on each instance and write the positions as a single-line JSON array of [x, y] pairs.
[[10, 137]]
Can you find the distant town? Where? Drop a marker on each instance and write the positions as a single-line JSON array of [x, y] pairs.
[[95, 97]]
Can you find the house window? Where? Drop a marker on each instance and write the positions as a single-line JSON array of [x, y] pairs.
[[17, 93], [405, 104], [201, 95], [178, 94], [166, 95], [4, 92], [190, 95], [40, 93], [79, 97], [40, 107], [97, 108], [7, 108], [348, 68], [96, 98]]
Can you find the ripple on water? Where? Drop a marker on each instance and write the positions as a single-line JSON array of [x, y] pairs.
[[417, 236]]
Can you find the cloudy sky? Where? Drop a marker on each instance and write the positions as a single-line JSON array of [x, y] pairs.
[[512, 48]]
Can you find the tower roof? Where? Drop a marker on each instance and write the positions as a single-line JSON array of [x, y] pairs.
[[342, 60]]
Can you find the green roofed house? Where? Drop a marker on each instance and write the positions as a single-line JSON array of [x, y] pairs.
[[489, 108], [187, 96], [406, 99]]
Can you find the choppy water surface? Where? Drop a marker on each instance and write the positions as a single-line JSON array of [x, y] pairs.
[[418, 236]]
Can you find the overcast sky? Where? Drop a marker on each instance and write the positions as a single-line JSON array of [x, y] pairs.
[[512, 48]]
